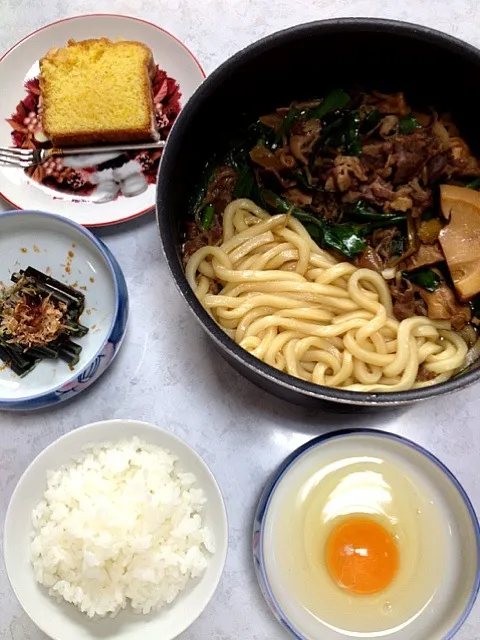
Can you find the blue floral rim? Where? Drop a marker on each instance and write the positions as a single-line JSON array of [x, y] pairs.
[[282, 470]]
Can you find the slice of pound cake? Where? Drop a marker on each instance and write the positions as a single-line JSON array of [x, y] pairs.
[[97, 91]]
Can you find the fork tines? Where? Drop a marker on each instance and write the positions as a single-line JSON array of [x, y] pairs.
[[14, 157]]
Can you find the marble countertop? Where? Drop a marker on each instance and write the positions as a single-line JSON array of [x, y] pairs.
[[167, 373]]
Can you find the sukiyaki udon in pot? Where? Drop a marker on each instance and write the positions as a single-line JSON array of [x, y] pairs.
[[322, 219], [337, 241]]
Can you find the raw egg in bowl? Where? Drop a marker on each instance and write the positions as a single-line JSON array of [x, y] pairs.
[[364, 534]]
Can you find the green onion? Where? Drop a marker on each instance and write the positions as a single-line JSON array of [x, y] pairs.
[[352, 145], [79, 330], [475, 306], [344, 132], [429, 214], [69, 352], [43, 352], [473, 184], [333, 101], [424, 278], [57, 290], [245, 181], [408, 124], [70, 358], [371, 120], [207, 217], [37, 287], [275, 202], [347, 239], [363, 212], [20, 363], [288, 120]]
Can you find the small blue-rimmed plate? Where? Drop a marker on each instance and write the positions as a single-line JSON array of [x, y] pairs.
[[354, 476], [70, 254]]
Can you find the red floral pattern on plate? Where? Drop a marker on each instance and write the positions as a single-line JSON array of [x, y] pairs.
[[27, 133]]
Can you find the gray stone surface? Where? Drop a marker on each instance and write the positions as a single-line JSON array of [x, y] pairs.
[[167, 373]]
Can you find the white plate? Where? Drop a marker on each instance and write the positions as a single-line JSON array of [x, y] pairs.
[[20, 63], [74, 256], [62, 621]]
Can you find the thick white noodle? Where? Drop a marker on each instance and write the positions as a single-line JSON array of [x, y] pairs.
[[291, 304]]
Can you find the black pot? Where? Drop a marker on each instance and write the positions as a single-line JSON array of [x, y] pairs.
[[300, 63]]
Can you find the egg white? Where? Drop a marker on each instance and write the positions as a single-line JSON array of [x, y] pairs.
[[315, 497]]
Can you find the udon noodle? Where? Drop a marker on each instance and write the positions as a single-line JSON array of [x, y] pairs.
[[294, 306]]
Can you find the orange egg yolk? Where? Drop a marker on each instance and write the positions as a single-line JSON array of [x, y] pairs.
[[362, 556]]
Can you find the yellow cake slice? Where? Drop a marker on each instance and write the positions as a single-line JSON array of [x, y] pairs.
[[97, 91]]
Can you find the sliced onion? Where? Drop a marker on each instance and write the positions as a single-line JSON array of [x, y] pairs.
[[389, 274], [473, 355], [469, 334]]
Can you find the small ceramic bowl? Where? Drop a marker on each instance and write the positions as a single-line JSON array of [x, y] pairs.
[[71, 254], [62, 621], [440, 611]]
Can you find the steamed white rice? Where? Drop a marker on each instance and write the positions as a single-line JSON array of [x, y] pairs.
[[121, 524]]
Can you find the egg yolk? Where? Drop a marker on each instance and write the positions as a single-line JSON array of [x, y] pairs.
[[362, 556]]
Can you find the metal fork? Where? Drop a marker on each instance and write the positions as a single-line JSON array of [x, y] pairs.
[[14, 157]]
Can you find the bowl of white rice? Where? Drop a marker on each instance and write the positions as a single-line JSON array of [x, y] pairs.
[[116, 530]]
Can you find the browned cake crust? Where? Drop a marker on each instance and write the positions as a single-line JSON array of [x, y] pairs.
[[85, 138], [88, 138]]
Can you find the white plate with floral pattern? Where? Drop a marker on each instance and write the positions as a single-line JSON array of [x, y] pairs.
[[119, 186]]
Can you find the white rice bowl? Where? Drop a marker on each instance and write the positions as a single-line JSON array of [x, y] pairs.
[[120, 525], [61, 620]]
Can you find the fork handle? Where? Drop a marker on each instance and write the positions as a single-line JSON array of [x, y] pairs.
[[77, 151]]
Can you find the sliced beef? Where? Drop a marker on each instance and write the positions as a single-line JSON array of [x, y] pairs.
[[370, 259], [381, 190], [196, 239], [298, 197], [387, 243], [375, 155], [422, 197], [327, 206], [406, 302], [266, 159], [272, 120], [388, 126], [442, 305], [389, 103], [347, 172], [436, 167], [381, 194], [425, 257], [220, 194], [279, 164], [464, 167], [411, 153], [424, 375], [305, 134], [220, 189]]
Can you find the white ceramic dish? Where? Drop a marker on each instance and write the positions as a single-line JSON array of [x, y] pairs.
[[20, 63], [72, 255], [445, 607], [62, 621]]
